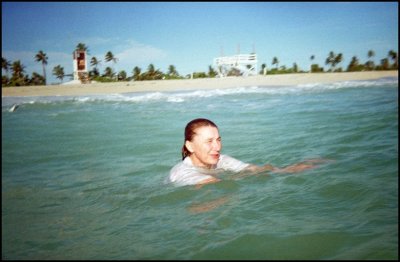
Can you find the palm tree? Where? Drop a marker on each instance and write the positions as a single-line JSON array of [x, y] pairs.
[[172, 71], [18, 70], [82, 47], [5, 64], [370, 64], [331, 60], [393, 55], [263, 66], [338, 59], [110, 57], [41, 57], [211, 71], [151, 71], [58, 71], [353, 64], [136, 73], [371, 53], [385, 64], [312, 57], [109, 72], [295, 68], [94, 62], [121, 75], [35, 80], [275, 61]]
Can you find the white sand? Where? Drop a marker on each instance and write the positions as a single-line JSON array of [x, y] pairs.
[[192, 84]]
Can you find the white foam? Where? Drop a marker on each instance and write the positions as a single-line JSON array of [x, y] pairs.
[[182, 96]]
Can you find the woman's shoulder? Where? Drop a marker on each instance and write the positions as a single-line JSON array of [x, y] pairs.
[[184, 173], [181, 168], [230, 163]]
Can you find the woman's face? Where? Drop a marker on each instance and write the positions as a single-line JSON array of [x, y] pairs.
[[205, 147]]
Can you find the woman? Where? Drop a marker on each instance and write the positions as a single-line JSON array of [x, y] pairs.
[[202, 158]]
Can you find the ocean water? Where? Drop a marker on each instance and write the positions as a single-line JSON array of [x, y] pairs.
[[84, 177]]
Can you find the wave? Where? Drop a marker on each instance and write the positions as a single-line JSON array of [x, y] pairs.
[[182, 96], [386, 81]]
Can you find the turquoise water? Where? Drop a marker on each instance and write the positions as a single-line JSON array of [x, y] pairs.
[[83, 177]]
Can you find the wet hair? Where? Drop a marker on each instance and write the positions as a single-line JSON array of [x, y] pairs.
[[190, 132]]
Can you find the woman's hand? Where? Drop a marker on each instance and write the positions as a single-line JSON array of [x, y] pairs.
[[299, 167]]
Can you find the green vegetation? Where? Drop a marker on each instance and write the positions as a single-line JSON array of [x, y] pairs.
[[41, 57], [58, 71], [19, 78], [333, 60]]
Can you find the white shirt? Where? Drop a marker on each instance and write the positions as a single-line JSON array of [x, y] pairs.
[[185, 173]]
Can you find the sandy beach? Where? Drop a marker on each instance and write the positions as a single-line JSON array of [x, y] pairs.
[[192, 84]]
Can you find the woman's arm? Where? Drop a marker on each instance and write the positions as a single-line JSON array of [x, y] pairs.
[[295, 168], [258, 169], [207, 181], [299, 167]]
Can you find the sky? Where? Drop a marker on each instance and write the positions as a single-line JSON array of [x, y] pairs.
[[189, 35]]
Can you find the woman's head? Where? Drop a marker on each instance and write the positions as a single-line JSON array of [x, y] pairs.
[[202, 142]]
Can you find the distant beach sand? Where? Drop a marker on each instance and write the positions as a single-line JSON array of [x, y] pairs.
[[192, 84]]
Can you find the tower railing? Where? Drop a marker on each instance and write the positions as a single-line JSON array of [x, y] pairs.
[[246, 64]]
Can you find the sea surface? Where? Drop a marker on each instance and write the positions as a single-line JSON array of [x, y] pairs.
[[83, 177]]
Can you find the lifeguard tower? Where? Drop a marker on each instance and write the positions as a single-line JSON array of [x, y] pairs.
[[246, 64], [80, 66]]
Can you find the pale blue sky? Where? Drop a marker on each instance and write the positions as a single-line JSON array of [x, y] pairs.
[[189, 35]]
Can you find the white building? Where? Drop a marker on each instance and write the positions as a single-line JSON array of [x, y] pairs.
[[246, 64]]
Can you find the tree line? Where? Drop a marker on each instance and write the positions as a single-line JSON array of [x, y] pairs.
[[19, 78], [335, 59]]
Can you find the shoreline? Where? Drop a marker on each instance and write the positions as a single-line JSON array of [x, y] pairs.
[[192, 84]]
